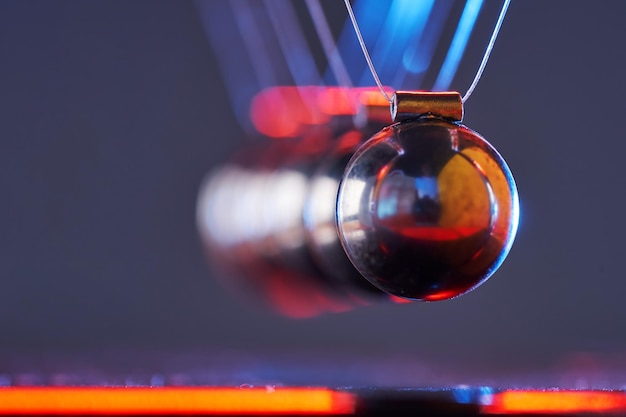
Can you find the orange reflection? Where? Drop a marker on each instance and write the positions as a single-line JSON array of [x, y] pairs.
[[500, 187], [66, 400], [336, 101], [557, 402], [371, 96]]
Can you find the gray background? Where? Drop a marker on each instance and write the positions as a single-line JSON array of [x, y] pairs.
[[111, 112]]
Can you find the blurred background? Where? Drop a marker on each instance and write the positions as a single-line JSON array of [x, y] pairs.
[[111, 113]]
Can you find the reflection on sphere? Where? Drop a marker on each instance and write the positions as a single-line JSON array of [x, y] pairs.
[[427, 210]]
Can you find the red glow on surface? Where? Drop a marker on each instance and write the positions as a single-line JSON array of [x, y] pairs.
[[442, 295], [557, 402], [399, 300], [299, 297], [288, 296], [259, 401]]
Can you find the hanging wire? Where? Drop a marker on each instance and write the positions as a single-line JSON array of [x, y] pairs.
[[492, 41], [478, 75], [458, 45], [365, 53]]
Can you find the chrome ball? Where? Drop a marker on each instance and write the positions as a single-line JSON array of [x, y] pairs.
[[427, 209]]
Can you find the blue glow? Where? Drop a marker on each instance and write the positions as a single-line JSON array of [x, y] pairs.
[[464, 394], [485, 395], [292, 43], [371, 16], [403, 25], [427, 187], [387, 207], [458, 45], [515, 210], [220, 26], [418, 56]]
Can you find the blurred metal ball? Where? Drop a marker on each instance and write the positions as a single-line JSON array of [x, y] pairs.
[[427, 209]]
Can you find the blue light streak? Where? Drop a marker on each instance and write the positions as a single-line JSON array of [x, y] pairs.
[[371, 15], [218, 20], [458, 45], [403, 25], [416, 59], [292, 42]]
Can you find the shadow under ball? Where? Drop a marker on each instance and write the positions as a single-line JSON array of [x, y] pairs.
[[427, 209]]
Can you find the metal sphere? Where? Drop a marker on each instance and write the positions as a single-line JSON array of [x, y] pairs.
[[427, 209]]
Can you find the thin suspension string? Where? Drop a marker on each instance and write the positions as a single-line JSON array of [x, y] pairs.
[[492, 41], [364, 49], [458, 44], [331, 51], [481, 68]]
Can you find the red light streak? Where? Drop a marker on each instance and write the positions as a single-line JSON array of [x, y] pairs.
[[336, 101], [285, 112], [129, 401], [278, 112], [557, 402]]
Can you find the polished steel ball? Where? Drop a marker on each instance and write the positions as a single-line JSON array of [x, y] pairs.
[[427, 209]]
